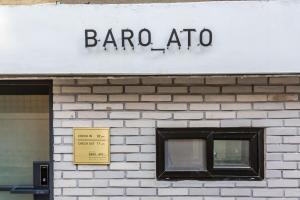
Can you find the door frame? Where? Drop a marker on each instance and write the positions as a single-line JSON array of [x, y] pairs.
[[21, 87]]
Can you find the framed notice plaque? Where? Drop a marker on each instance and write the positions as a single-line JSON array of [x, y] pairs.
[[91, 145]]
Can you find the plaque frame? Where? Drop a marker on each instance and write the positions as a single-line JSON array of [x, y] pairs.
[[107, 151]]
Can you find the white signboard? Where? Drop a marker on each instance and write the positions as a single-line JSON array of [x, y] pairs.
[[234, 37]]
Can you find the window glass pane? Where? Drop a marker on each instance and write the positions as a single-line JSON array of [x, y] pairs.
[[185, 155], [24, 133], [231, 153]]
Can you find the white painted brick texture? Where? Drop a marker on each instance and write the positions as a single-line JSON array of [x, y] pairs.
[[134, 107]]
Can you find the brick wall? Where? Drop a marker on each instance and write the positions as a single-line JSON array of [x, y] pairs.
[[133, 107], [29, 2], [21, 2]]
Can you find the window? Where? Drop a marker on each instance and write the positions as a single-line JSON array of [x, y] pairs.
[[210, 153]]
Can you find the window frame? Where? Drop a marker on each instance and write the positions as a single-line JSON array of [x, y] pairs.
[[255, 136]]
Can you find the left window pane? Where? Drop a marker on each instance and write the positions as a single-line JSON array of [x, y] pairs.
[[185, 155]]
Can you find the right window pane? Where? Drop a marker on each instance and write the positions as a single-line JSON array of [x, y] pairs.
[[231, 153]]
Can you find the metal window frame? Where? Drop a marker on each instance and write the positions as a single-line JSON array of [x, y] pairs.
[[23, 87], [255, 136]]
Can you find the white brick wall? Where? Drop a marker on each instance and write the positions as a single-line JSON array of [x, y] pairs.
[[134, 107]]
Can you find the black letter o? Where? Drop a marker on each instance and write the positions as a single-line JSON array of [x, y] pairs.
[[149, 37], [202, 42]]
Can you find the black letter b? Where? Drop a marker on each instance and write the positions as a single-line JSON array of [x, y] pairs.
[[91, 38]]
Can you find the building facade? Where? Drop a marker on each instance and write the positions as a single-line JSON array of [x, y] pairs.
[[201, 100]]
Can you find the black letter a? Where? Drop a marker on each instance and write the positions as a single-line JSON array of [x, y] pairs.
[[109, 35], [176, 40]]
